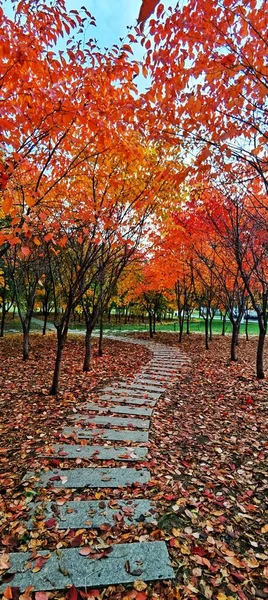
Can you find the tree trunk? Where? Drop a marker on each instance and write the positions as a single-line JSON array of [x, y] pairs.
[[14, 312], [45, 322], [126, 315], [151, 325], [246, 330], [101, 336], [154, 322], [206, 333], [4, 312], [210, 327], [87, 350], [25, 351], [181, 320], [188, 325], [61, 340], [223, 323], [259, 361], [233, 341]]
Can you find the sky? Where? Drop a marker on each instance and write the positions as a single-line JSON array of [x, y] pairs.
[[112, 17]]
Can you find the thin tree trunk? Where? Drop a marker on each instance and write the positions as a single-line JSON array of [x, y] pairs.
[[181, 320], [259, 361], [61, 340], [246, 330], [188, 325], [25, 347], [4, 312], [154, 322], [210, 327], [206, 333], [14, 312], [45, 322], [233, 341], [101, 336], [223, 323], [87, 356], [151, 325]]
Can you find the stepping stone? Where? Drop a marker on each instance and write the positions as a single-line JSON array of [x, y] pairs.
[[150, 384], [147, 384], [128, 399], [160, 373], [124, 410], [98, 452], [124, 389], [124, 435], [116, 421], [91, 514], [92, 478], [147, 561]]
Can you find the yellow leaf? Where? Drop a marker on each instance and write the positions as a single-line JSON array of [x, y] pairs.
[[264, 529], [221, 596], [36, 241], [140, 586], [233, 561]]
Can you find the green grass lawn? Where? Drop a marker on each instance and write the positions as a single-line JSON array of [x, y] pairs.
[[15, 324], [196, 326]]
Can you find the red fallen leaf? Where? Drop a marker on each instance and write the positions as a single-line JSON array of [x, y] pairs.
[[54, 478], [72, 594], [77, 541], [170, 496], [40, 561], [198, 550], [50, 523], [41, 596], [174, 543]]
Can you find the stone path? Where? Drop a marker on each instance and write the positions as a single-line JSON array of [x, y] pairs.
[[121, 414]]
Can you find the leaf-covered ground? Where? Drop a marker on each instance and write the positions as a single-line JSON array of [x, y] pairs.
[[207, 454], [30, 417]]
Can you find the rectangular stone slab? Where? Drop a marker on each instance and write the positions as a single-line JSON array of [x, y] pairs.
[[147, 386], [93, 478], [128, 399], [98, 452], [92, 514], [130, 389], [108, 421], [109, 434], [124, 410], [149, 559]]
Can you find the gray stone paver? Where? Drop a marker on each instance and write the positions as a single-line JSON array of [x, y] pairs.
[[108, 421], [147, 561], [93, 478], [124, 389], [147, 387], [124, 410], [98, 452], [91, 514], [124, 435], [128, 399]]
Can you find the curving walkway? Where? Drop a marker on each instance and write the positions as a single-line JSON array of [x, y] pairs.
[[121, 413]]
